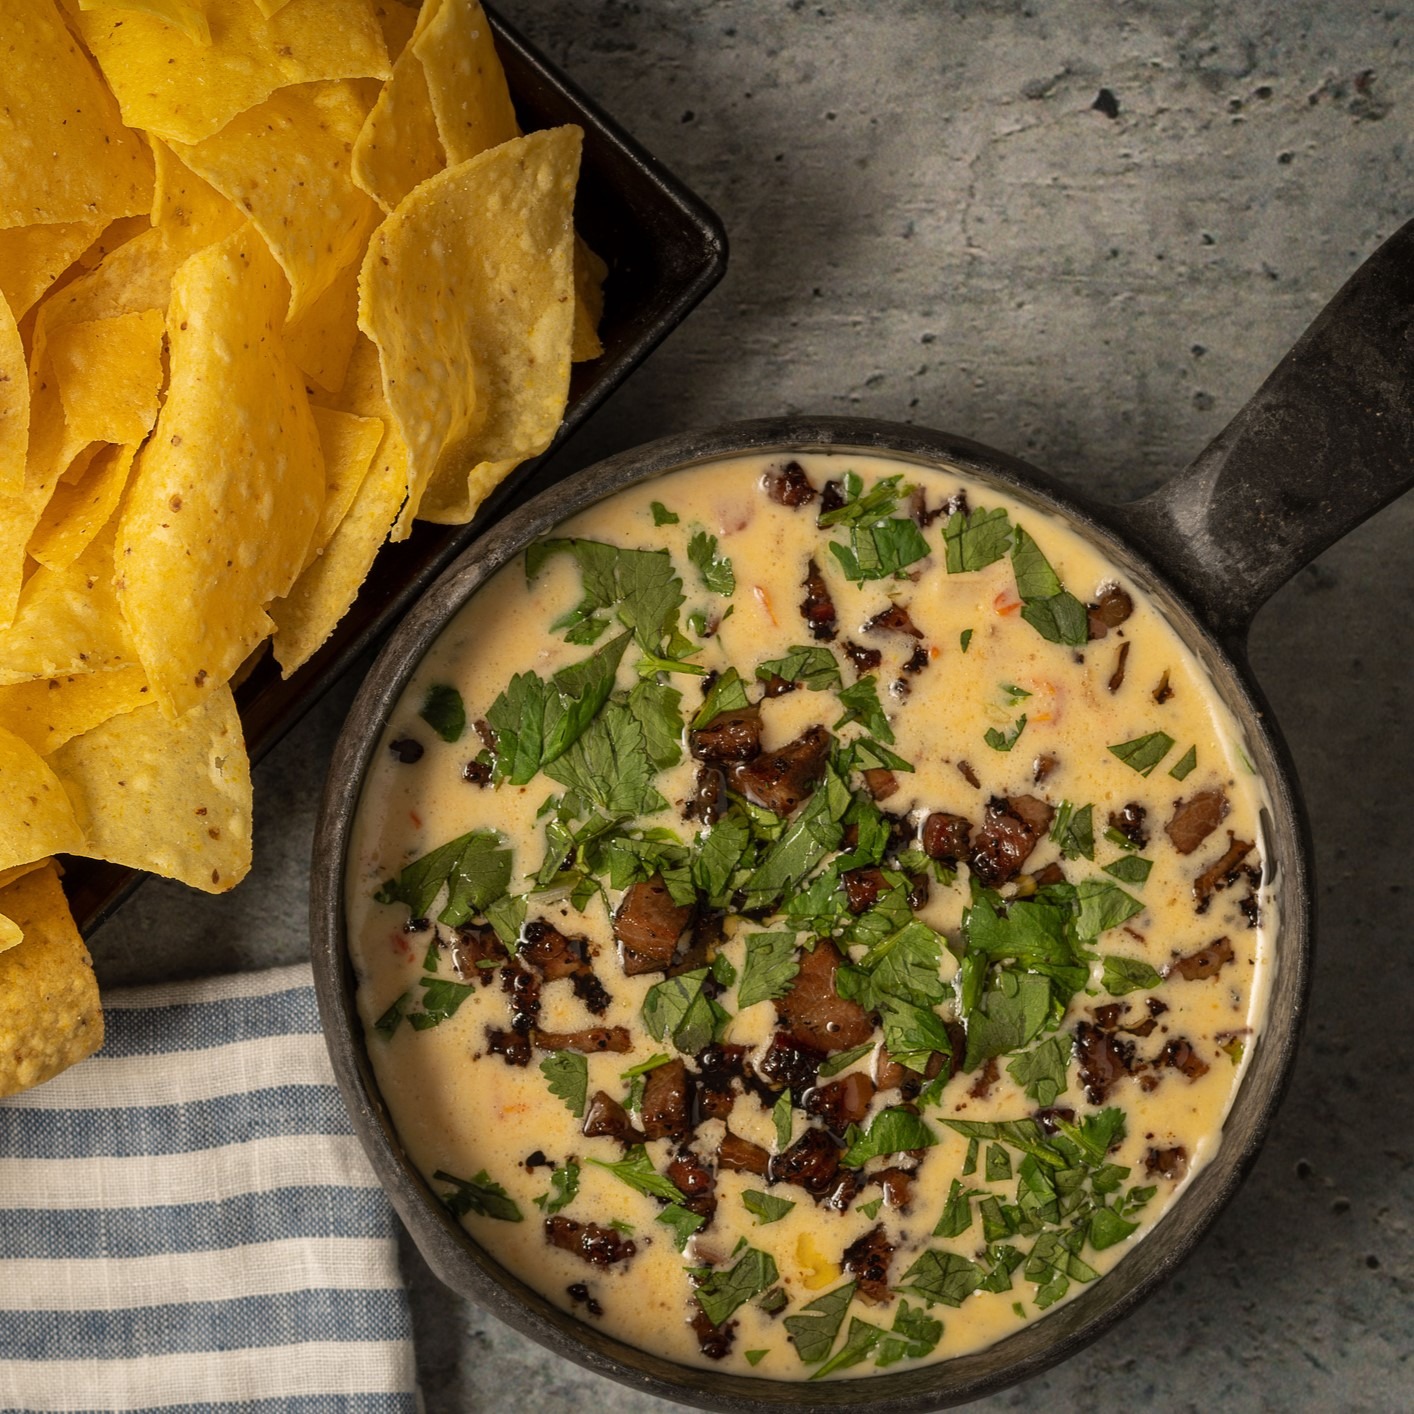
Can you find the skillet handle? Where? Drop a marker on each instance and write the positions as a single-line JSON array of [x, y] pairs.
[[1325, 442]]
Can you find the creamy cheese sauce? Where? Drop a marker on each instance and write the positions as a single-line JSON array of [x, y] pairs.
[[462, 1110]]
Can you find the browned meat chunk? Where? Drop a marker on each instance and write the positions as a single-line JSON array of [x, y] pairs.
[[666, 1112], [845, 1191], [1167, 1163], [522, 987], [832, 497], [1179, 1054], [1195, 819], [1104, 1060], [894, 619], [1129, 821], [715, 1342], [817, 608], [815, 1013], [605, 1116], [731, 736], [880, 782], [867, 1260], [982, 1086], [696, 1182], [946, 837], [1111, 608], [473, 945], [918, 660], [702, 943], [579, 1294], [511, 1046], [964, 769], [1223, 872], [647, 926], [553, 956], [1121, 658], [843, 1102], [810, 1163], [707, 803], [1163, 691], [718, 1068], [599, 1246], [780, 780], [897, 1184], [477, 773], [919, 890], [1051, 874], [590, 1040], [789, 1065], [741, 1155], [863, 888], [1011, 829], [788, 485], [1206, 962], [1042, 767], [865, 660], [890, 1075], [776, 686]]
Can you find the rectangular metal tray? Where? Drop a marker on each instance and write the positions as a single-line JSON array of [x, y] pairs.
[[665, 250]]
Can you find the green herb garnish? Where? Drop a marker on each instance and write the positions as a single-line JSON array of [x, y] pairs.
[[443, 710], [479, 1195], [1144, 752], [568, 1074]]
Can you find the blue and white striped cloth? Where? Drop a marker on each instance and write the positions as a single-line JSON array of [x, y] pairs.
[[187, 1222]]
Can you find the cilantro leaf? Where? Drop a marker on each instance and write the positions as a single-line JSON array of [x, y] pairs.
[[859, 1344], [719, 853], [1056, 615], [814, 1327], [444, 711], [892, 1131], [1074, 831], [507, 916], [769, 970], [564, 1187], [720, 1293], [844, 1060], [662, 515], [957, 1211], [806, 840], [1007, 1017], [1131, 869], [816, 668], [1186, 763], [1004, 741], [965, 639], [1144, 752], [766, 1207], [1127, 974], [479, 876], [861, 703], [1035, 579], [727, 694], [974, 541], [680, 1009], [419, 882], [568, 1074], [1107, 1227], [942, 1278], [609, 765], [1041, 1072], [657, 709], [913, 1336], [682, 1221], [784, 1120], [754, 1357], [877, 551], [717, 574], [636, 1169], [388, 1022], [865, 754], [440, 1001], [1103, 905], [479, 1195]]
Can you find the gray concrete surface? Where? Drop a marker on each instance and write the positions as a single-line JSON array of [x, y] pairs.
[[932, 222]]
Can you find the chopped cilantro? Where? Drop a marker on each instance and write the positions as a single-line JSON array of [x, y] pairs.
[[754, 1357], [844, 1059], [957, 1211], [388, 1022], [974, 541], [859, 1344], [680, 1009], [1074, 831], [766, 1207], [871, 1208], [440, 1001], [564, 1187], [1127, 974], [682, 1221], [657, 709], [1055, 614], [720, 1292], [861, 703], [1186, 763], [1041, 1072], [892, 1131], [784, 1121], [609, 765], [806, 840], [717, 573], [662, 515], [1103, 906], [1004, 741], [942, 1278], [965, 639], [568, 1074], [480, 1195], [813, 1328], [1130, 869], [1144, 752], [727, 694], [877, 551], [912, 1336], [769, 969], [636, 1169], [816, 668], [443, 710]]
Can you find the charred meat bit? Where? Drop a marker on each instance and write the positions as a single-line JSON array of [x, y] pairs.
[[715, 1342], [553, 956], [702, 944], [867, 1260], [1051, 874], [810, 1163], [842, 1102], [817, 608], [419, 925], [863, 888], [523, 989], [790, 1065], [1111, 608], [599, 1246], [605, 1116], [919, 890], [1167, 1163], [1121, 658], [982, 1086], [946, 837], [473, 945], [897, 1184], [477, 773], [718, 1067], [1050, 1118], [880, 782], [406, 750], [789, 485], [832, 497], [731, 736], [845, 1191], [537, 1160], [894, 619], [1223, 872], [578, 1293], [815, 1013], [918, 508], [1129, 821], [511, 1046], [1206, 962], [890, 1075], [918, 660], [777, 686], [780, 780], [590, 1040], [696, 1182], [666, 1111], [1011, 829], [965, 770], [741, 1155], [1195, 819], [1104, 1060], [1042, 767], [1163, 692], [1179, 1054], [865, 660], [647, 926], [706, 803]]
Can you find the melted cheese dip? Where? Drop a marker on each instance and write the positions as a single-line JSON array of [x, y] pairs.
[[464, 1111]]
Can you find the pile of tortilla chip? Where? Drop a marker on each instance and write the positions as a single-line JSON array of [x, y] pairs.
[[277, 277]]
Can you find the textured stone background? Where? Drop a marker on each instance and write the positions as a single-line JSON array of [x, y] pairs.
[[931, 221]]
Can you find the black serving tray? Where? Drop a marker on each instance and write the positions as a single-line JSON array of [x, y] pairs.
[[665, 249]]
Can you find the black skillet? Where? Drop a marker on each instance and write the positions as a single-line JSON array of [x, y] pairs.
[[1325, 442]]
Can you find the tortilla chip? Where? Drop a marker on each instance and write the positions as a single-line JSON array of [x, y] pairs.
[[182, 17], [184, 92], [170, 796], [33, 257], [14, 402], [228, 489], [10, 933], [465, 82], [348, 443], [50, 1015], [109, 373], [114, 234], [474, 272], [285, 163], [589, 273], [49, 711], [18, 871], [322, 338], [64, 152], [397, 21], [78, 510], [40, 820]]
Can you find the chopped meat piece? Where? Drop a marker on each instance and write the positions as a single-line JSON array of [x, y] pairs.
[[918, 660], [897, 1184], [867, 1259], [843, 1102], [968, 775], [730, 736], [1223, 872], [810, 1163], [605, 1116], [863, 888], [1051, 874], [599, 1246], [1163, 692], [790, 1065], [406, 750], [919, 889], [477, 773], [1107, 1017], [702, 944], [918, 508], [488, 737], [715, 1342], [780, 780], [1167, 1163], [647, 926], [890, 1075], [1179, 1054], [777, 686], [1129, 821], [1111, 608], [946, 837], [1121, 658], [741, 1155], [1206, 962], [523, 989], [473, 945], [706, 803], [1042, 767], [817, 608], [590, 1040], [537, 1160], [553, 956], [1011, 829], [815, 1013], [579, 1294], [696, 1182], [511, 1046], [788, 485], [865, 660], [982, 1086], [1104, 1060], [880, 782], [666, 1111], [1049, 1118], [718, 1067], [900, 688], [894, 619], [845, 1191], [1195, 819], [832, 497]]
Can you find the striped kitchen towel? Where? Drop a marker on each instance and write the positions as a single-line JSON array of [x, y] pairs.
[[187, 1221]]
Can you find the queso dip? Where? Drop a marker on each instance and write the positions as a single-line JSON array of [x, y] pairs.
[[809, 915]]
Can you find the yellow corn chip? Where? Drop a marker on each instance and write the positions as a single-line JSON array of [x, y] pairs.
[[169, 796], [79, 509], [114, 234], [33, 257], [109, 373], [589, 273], [397, 21], [285, 163], [14, 403], [49, 711], [18, 871], [10, 933], [348, 443], [77, 470], [474, 272], [185, 18], [270, 7], [227, 491], [321, 339], [40, 820], [64, 152], [184, 92], [465, 82], [49, 1010]]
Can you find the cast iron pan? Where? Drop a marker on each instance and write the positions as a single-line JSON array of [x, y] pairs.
[[1326, 441]]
